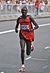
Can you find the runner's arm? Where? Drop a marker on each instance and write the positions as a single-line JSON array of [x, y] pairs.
[[34, 22], [17, 24]]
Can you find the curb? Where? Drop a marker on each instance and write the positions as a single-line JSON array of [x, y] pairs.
[[14, 17], [42, 16]]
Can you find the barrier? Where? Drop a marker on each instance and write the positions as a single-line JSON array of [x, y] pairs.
[[14, 9]]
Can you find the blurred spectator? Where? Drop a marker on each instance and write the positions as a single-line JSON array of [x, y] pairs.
[[9, 1], [20, 2], [49, 3], [37, 5], [2, 2], [27, 2], [24, 2], [46, 1], [42, 5], [15, 1], [9, 5], [30, 2], [31, 6]]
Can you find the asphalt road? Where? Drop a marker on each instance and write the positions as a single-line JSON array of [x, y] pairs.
[[38, 61]]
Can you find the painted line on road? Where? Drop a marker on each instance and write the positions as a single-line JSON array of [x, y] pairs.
[[1, 72], [44, 25], [8, 31], [28, 58], [3, 32], [47, 47], [37, 59]]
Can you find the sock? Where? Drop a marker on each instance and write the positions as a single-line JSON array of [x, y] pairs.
[[23, 65]]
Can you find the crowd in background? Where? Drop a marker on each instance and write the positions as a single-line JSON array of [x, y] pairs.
[[21, 1], [39, 4]]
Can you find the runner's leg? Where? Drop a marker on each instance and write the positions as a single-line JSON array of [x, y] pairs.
[[22, 44], [32, 46], [28, 47]]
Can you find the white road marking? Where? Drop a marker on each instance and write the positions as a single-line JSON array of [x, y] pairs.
[[8, 31], [47, 47], [38, 59], [28, 58], [1, 72], [3, 32], [44, 25]]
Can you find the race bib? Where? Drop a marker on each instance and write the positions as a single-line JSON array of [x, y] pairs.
[[24, 27]]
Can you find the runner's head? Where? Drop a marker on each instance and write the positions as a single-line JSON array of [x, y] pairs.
[[24, 11]]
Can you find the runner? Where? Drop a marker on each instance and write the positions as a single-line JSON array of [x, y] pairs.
[[26, 33]]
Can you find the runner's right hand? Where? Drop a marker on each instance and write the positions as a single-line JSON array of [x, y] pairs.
[[16, 30]]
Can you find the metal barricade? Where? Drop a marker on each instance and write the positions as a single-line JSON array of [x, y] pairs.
[[2, 9], [14, 9]]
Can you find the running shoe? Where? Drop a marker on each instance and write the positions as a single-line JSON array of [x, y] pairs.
[[22, 69]]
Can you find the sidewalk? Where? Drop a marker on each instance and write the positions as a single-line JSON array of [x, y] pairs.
[[14, 17]]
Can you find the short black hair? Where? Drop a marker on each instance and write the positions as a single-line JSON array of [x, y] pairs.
[[24, 8]]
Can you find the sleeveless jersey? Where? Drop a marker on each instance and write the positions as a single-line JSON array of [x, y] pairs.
[[25, 24]]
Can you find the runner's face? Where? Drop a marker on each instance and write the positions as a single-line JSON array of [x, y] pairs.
[[24, 12]]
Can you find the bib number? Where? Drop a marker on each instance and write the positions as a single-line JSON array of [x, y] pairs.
[[24, 27]]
